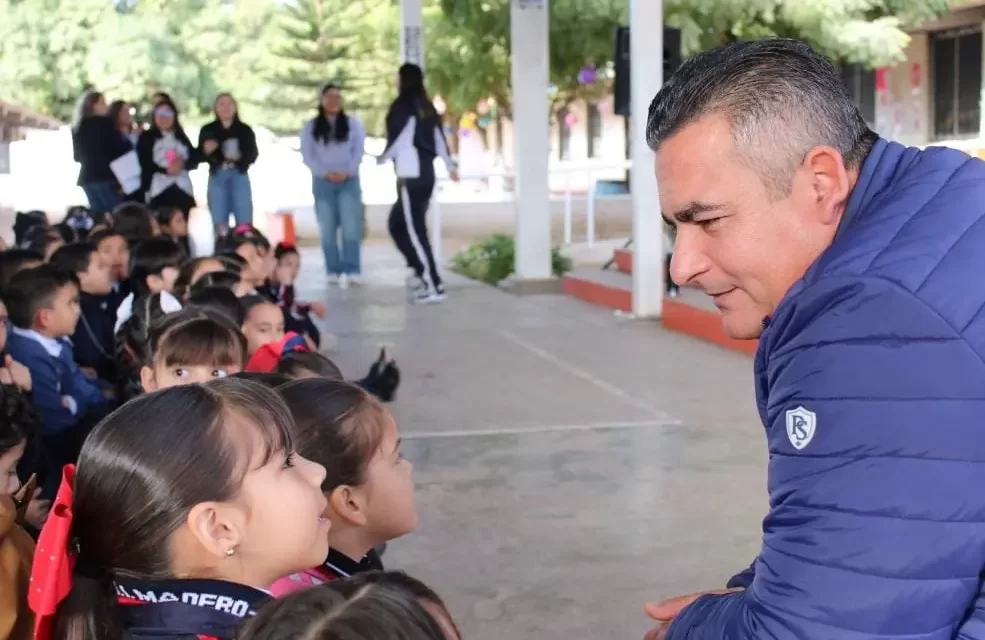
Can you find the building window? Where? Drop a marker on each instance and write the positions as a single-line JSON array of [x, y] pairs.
[[861, 85], [956, 59], [594, 126], [564, 135]]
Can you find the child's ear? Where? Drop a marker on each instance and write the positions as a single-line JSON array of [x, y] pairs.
[[218, 527], [348, 503], [147, 380], [43, 318], [155, 283]]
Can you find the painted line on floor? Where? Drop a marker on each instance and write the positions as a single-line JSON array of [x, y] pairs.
[[544, 428], [578, 372]]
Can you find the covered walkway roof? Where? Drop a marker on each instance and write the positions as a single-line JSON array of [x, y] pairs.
[[14, 118]]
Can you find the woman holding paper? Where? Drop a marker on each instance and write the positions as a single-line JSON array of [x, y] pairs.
[[230, 148], [96, 145], [166, 156]]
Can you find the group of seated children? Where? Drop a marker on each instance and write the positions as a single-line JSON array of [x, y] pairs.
[[203, 460]]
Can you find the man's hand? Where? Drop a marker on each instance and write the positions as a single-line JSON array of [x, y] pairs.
[[209, 147], [665, 612], [320, 309]]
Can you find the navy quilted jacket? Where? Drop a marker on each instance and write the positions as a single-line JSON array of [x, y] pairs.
[[871, 385]]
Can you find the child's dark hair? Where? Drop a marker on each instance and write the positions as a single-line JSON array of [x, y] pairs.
[[68, 233], [251, 302], [32, 290], [129, 500], [339, 426], [150, 258], [215, 279], [13, 260], [400, 581], [18, 418], [296, 364], [343, 611], [194, 336], [97, 238], [285, 249], [40, 238], [26, 222], [232, 261], [220, 300], [132, 344], [74, 257], [166, 214], [272, 380], [184, 280], [133, 221]]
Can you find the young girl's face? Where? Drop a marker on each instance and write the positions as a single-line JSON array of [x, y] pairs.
[[264, 324], [115, 253], [389, 490], [161, 376], [285, 528], [256, 269], [287, 269], [9, 482]]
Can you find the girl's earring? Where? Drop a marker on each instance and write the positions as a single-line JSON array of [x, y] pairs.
[[230, 552]]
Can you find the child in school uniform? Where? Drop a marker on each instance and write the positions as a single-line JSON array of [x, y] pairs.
[[174, 225], [43, 305], [190, 540], [369, 487], [154, 265], [92, 342], [115, 251], [280, 290]]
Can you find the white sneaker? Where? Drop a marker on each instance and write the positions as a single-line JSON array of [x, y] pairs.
[[430, 296], [414, 283], [344, 281], [333, 278], [355, 278]]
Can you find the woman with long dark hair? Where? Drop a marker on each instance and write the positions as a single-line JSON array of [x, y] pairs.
[[122, 117], [166, 156], [96, 144], [415, 137], [230, 147], [332, 147]]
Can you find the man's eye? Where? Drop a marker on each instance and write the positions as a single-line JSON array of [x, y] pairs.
[[704, 224]]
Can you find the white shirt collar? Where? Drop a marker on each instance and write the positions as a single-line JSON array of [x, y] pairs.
[[51, 345]]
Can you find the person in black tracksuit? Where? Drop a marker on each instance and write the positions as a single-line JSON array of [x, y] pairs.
[[414, 139]]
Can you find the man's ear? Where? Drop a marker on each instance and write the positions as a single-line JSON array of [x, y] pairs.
[[219, 527], [148, 382], [349, 504], [830, 182]]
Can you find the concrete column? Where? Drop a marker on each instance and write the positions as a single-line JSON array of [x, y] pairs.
[[411, 32], [529, 20], [646, 73]]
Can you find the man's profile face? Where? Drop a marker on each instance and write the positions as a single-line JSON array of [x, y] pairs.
[[736, 240]]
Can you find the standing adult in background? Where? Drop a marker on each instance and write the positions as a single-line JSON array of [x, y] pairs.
[[119, 113], [415, 137], [230, 148], [332, 147], [96, 144], [166, 156], [857, 263]]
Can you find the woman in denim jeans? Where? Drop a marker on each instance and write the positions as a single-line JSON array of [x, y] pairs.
[[332, 147], [230, 147]]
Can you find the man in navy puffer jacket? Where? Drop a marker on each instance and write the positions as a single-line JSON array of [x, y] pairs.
[[860, 265]]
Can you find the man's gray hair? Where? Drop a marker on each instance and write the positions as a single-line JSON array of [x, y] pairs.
[[781, 98]]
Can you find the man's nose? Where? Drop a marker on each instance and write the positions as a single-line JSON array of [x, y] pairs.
[[688, 261]]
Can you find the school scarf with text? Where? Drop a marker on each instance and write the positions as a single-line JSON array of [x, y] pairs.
[[185, 609]]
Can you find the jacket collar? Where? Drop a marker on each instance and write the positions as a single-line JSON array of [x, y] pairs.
[[52, 345], [877, 171], [168, 608]]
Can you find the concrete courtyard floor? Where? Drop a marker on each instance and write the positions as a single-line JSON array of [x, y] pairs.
[[570, 464]]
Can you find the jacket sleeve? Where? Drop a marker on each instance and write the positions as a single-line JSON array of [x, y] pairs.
[[86, 392], [249, 152], [397, 119], [195, 156], [357, 143], [308, 143], [46, 396], [145, 155], [441, 146], [875, 476], [208, 133], [113, 142]]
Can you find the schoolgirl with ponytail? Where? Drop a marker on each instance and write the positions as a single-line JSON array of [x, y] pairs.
[[185, 505]]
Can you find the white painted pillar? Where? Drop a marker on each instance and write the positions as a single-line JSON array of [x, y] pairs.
[[529, 21], [646, 73], [411, 32]]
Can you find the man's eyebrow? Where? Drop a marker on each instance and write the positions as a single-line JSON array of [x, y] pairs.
[[688, 213]]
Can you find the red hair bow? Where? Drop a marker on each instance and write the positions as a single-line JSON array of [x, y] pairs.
[[54, 560], [266, 358], [287, 246]]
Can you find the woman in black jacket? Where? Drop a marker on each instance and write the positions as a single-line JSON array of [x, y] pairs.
[[96, 144], [166, 156], [230, 147], [415, 137]]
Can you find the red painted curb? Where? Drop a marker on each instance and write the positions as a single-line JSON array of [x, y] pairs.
[[598, 293], [703, 324], [624, 260]]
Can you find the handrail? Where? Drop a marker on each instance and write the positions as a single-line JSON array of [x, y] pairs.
[[567, 171]]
